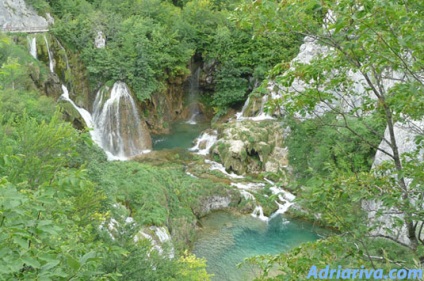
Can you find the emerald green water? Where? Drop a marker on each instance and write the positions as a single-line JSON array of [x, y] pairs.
[[227, 239], [182, 135]]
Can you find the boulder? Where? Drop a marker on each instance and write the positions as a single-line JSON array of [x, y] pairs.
[[251, 147]]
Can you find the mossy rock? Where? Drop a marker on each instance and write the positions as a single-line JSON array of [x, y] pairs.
[[250, 147]]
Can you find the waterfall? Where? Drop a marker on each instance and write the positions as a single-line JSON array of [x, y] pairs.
[[64, 52], [115, 125], [193, 96], [261, 115], [204, 143], [51, 60], [163, 238], [247, 195], [258, 212], [219, 167], [284, 202], [118, 123], [84, 113], [86, 116], [239, 115], [263, 103], [32, 42]]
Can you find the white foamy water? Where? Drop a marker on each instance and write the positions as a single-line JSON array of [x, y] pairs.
[[32, 42], [111, 115], [206, 140], [258, 212], [248, 185], [221, 168]]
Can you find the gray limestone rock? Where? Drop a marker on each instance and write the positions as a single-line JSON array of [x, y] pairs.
[[15, 15]]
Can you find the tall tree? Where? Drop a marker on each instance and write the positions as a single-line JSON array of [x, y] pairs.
[[369, 61]]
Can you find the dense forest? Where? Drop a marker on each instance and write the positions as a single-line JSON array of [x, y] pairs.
[[354, 113]]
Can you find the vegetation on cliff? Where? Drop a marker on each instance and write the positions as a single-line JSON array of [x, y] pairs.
[[150, 43]]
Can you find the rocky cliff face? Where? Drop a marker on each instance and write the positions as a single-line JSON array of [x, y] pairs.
[[15, 15], [164, 108], [383, 223]]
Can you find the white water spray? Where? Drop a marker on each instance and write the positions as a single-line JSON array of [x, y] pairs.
[[258, 212], [115, 125], [118, 124], [193, 96], [51, 60], [221, 168], [204, 143], [32, 42]]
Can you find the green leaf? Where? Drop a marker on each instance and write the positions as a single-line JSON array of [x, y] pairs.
[[73, 263], [21, 241], [30, 261], [50, 265]]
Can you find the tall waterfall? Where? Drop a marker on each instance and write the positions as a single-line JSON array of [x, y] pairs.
[[115, 125], [116, 119], [32, 42], [51, 60], [193, 96]]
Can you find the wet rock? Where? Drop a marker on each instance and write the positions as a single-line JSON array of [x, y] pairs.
[[164, 108], [53, 86]]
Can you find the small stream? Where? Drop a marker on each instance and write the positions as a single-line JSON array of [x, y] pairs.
[[226, 239]]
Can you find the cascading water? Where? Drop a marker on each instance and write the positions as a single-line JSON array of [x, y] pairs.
[[115, 125], [84, 113], [239, 115], [261, 115], [193, 96], [32, 42], [204, 143], [118, 124], [64, 52], [86, 116], [51, 60]]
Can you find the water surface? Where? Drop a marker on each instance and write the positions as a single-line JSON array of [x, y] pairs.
[[182, 136], [225, 240]]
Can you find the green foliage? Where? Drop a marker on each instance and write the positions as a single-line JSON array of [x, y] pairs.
[[51, 208], [146, 44], [149, 44], [244, 59], [332, 153], [47, 212], [334, 251], [18, 69], [319, 143], [139, 261], [153, 196], [41, 6], [35, 156]]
